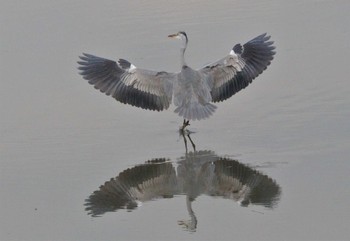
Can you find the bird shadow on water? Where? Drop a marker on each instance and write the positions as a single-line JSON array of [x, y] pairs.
[[194, 174]]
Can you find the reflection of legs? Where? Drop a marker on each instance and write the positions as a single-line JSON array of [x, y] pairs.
[[184, 134], [185, 140], [193, 145]]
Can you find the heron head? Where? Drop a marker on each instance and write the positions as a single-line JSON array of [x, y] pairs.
[[180, 35]]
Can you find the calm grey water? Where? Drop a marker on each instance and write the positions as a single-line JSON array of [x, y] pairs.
[[61, 139]]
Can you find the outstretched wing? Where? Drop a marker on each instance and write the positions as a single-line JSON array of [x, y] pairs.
[[130, 85], [154, 180], [238, 69]]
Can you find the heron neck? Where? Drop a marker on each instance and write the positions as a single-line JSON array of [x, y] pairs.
[[182, 56]]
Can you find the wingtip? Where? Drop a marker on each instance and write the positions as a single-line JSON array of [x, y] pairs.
[[83, 60], [265, 37], [86, 55], [82, 57]]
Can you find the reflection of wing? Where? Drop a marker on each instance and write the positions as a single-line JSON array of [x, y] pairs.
[[156, 179], [239, 182], [203, 172]]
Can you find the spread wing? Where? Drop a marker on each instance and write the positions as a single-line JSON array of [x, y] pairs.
[[130, 85], [238, 69], [154, 180], [241, 183]]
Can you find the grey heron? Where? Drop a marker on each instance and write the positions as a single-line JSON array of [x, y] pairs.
[[191, 91]]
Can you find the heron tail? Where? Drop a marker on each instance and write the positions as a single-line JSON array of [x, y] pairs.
[[195, 111]]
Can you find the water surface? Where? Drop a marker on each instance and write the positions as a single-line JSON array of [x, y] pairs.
[[61, 139]]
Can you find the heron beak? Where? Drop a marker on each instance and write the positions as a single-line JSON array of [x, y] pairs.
[[172, 35]]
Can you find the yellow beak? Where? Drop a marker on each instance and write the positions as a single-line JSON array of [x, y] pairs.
[[172, 35]]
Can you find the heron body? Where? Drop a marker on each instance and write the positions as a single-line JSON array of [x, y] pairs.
[[191, 91], [192, 98]]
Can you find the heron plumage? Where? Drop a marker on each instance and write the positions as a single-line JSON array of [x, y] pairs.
[[191, 91]]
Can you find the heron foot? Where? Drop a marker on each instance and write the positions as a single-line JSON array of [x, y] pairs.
[[185, 124]]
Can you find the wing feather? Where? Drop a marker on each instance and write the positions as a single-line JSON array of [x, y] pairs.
[[238, 69], [130, 85]]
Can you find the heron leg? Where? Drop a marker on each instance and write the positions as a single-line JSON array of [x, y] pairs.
[[186, 134]]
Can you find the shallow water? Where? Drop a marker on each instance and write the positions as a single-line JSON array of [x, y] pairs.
[[61, 139]]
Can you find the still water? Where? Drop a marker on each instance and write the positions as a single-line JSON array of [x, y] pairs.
[[271, 164]]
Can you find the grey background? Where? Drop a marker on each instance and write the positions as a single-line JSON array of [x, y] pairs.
[[61, 139]]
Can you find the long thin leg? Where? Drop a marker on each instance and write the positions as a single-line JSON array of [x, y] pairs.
[[185, 140], [185, 136], [193, 145]]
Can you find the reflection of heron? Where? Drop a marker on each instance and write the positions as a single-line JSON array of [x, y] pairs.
[[192, 91], [198, 172], [155, 179]]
